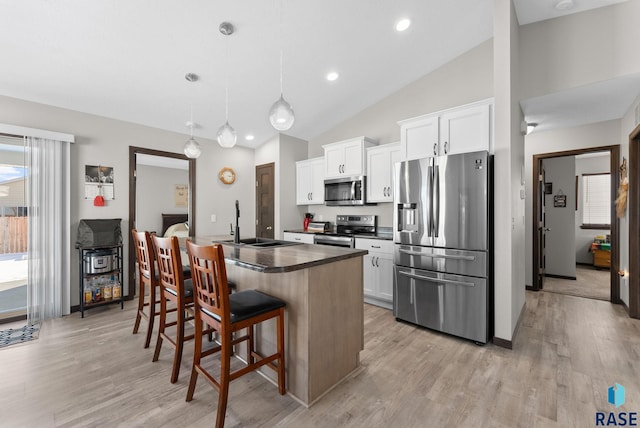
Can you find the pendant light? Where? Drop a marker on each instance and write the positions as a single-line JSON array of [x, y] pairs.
[[227, 136], [191, 147], [281, 113]]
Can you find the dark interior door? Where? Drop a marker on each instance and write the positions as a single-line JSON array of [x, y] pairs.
[[265, 200], [542, 229]]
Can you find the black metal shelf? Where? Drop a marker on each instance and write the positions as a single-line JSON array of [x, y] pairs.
[[116, 251]]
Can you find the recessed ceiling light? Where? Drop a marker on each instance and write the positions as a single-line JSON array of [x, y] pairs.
[[564, 4], [403, 24], [332, 76], [249, 137]]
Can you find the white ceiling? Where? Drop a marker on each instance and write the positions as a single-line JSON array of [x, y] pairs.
[[127, 60]]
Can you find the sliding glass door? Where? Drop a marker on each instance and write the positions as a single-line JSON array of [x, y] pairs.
[[14, 261]]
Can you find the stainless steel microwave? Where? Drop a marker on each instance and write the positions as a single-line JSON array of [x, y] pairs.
[[345, 191]]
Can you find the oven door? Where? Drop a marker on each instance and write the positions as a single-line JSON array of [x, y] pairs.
[[345, 191], [335, 241]]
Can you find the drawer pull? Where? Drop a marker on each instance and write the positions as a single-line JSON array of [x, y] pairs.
[[438, 256]]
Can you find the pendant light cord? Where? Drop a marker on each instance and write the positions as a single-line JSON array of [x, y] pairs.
[[226, 89], [281, 51]]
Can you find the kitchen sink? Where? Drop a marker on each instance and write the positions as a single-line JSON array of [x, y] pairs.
[[260, 242]]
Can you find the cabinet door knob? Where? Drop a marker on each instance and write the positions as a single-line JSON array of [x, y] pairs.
[[435, 148]]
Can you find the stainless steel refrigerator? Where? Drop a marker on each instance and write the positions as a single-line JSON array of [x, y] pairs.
[[443, 276]]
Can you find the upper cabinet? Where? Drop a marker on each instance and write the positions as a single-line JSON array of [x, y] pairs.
[[310, 182], [380, 161], [459, 130], [346, 158]]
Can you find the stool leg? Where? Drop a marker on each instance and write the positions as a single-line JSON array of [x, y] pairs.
[[197, 356], [177, 356], [140, 308], [250, 345], [281, 367], [225, 368], [152, 314], [163, 321]]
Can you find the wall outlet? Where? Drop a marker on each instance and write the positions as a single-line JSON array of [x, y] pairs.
[[214, 218]]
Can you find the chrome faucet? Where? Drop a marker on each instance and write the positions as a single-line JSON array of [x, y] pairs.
[[236, 237]]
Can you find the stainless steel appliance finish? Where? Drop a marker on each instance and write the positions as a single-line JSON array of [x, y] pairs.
[[442, 231], [345, 191], [347, 228], [334, 240], [100, 261]]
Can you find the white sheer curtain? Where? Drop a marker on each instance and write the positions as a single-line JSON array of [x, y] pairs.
[[48, 191]]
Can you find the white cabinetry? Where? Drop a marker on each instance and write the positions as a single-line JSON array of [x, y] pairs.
[[310, 182], [459, 130], [378, 271], [380, 160], [303, 238], [465, 130], [346, 158]]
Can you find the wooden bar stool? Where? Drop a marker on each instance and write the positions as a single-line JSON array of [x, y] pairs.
[[148, 280], [229, 313], [173, 288]]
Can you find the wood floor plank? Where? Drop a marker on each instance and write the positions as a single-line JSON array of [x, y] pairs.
[[94, 372]]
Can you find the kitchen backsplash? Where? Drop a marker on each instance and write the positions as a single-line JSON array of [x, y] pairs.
[[325, 213]]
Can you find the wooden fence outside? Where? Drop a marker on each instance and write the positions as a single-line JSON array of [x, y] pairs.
[[13, 235]]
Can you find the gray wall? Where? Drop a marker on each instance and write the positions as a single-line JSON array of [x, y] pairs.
[[560, 248], [579, 49], [449, 86], [584, 237], [155, 195], [106, 141]]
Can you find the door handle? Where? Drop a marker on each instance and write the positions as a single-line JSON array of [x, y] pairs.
[[311, 196], [438, 280], [377, 260], [437, 256], [435, 149], [269, 227], [372, 264], [547, 229], [446, 148]]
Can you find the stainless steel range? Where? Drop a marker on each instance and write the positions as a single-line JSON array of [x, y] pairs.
[[347, 228]]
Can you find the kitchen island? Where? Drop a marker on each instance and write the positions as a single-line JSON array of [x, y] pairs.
[[324, 322]]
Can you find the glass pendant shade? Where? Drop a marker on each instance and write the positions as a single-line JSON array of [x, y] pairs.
[[192, 149], [227, 136], [281, 115]]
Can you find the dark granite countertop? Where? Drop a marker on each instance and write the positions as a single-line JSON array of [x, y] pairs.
[[279, 259]]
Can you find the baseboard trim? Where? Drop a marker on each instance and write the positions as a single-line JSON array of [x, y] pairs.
[[508, 344], [550, 275], [24, 317], [584, 264], [529, 287]]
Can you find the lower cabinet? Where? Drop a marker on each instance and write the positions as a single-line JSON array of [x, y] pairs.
[[378, 271], [303, 238]]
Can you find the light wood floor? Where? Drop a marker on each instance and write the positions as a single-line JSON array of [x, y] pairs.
[[94, 372], [590, 282]]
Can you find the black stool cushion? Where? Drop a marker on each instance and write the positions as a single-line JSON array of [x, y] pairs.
[[188, 288], [249, 303]]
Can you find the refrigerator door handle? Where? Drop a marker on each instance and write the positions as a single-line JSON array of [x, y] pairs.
[[430, 199], [436, 280], [436, 200], [437, 256]]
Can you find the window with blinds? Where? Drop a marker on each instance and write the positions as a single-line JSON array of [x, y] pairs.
[[596, 200]]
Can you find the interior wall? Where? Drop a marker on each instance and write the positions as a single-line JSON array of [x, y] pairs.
[[508, 159], [449, 86], [155, 195], [558, 140], [291, 215], [584, 237], [629, 122], [560, 248], [106, 141], [579, 49]]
